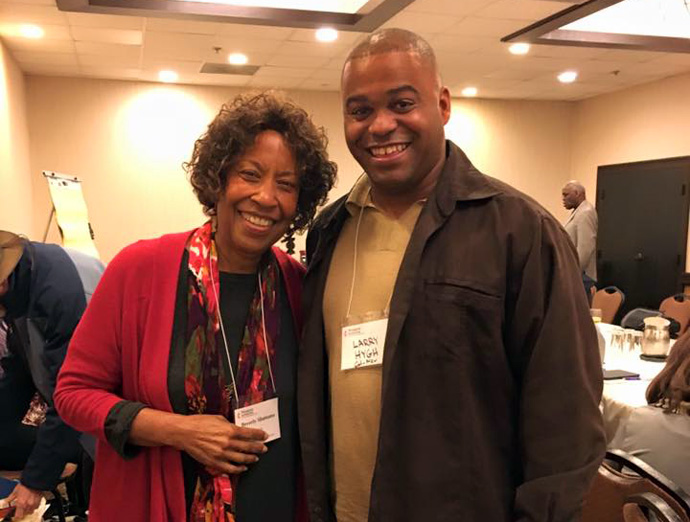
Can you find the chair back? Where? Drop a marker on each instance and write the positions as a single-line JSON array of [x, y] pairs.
[[619, 479], [637, 505], [592, 291], [677, 307], [609, 301]]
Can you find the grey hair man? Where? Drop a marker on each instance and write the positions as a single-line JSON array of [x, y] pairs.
[[582, 226]]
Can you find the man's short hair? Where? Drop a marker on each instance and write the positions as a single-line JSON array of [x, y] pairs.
[[576, 186], [391, 41]]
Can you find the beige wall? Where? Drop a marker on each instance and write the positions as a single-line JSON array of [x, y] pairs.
[[16, 211], [525, 144], [127, 142], [646, 122]]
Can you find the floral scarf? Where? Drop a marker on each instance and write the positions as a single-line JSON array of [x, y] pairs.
[[209, 390]]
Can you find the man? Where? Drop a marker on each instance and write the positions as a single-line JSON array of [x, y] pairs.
[[581, 226], [481, 403], [43, 294]]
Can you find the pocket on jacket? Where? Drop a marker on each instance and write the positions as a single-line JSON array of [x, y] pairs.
[[463, 319]]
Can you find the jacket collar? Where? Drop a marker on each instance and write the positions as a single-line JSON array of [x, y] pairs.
[[580, 207], [460, 181]]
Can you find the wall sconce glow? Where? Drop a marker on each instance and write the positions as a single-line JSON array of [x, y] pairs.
[[326, 34], [31, 31], [519, 48], [238, 59], [167, 76], [469, 92], [567, 77]]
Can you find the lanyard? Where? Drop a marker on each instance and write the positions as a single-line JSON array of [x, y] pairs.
[[225, 340], [354, 260]]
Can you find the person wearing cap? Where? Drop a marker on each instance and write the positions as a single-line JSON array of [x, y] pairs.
[[44, 291]]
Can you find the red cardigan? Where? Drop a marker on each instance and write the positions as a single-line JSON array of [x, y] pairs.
[[120, 350]]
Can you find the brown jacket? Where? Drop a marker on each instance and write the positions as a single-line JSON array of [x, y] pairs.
[[491, 371]]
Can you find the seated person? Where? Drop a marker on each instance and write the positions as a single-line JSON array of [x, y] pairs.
[[658, 433], [43, 293], [17, 438]]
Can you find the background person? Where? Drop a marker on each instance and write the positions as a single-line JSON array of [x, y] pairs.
[[581, 226], [658, 433], [44, 290]]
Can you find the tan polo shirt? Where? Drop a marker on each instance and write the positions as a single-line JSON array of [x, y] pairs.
[[356, 394]]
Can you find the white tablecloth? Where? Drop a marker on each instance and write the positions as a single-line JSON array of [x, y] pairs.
[[630, 392]]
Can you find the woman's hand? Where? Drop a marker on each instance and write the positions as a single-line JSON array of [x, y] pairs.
[[218, 444], [24, 500]]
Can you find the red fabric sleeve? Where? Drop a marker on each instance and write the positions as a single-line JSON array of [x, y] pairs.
[[90, 381]]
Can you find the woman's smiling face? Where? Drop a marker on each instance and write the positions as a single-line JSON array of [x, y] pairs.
[[258, 203]]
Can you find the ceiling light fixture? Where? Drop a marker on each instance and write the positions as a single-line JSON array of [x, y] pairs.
[[469, 92], [334, 6], [653, 25], [519, 48], [326, 34], [238, 59], [168, 76], [31, 31], [567, 77], [363, 16]]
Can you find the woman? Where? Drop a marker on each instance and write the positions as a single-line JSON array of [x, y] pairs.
[[188, 330], [658, 433]]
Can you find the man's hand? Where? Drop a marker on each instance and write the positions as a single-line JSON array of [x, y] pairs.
[[24, 500]]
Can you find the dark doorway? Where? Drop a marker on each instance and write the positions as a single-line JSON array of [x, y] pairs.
[[643, 228]]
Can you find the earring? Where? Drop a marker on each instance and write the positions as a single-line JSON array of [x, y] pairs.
[[214, 224]]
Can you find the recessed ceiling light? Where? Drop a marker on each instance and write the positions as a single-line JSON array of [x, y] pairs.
[[238, 59], [167, 76], [31, 31], [326, 34], [567, 77], [519, 48], [469, 91]]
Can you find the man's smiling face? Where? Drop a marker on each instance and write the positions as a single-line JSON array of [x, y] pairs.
[[394, 111]]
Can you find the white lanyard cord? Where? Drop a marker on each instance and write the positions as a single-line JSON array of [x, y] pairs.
[[222, 331], [354, 262], [225, 339], [263, 327]]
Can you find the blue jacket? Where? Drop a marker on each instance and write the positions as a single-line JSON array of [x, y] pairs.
[[48, 293]]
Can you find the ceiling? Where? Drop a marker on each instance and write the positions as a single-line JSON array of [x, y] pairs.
[[465, 34]]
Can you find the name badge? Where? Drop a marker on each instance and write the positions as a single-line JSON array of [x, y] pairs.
[[262, 415], [362, 344]]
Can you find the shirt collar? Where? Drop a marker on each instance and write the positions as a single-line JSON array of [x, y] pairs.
[[360, 196]]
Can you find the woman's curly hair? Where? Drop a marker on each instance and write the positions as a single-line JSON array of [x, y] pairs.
[[234, 130]]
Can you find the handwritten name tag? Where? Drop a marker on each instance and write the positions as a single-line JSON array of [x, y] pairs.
[[263, 416], [362, 344]]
